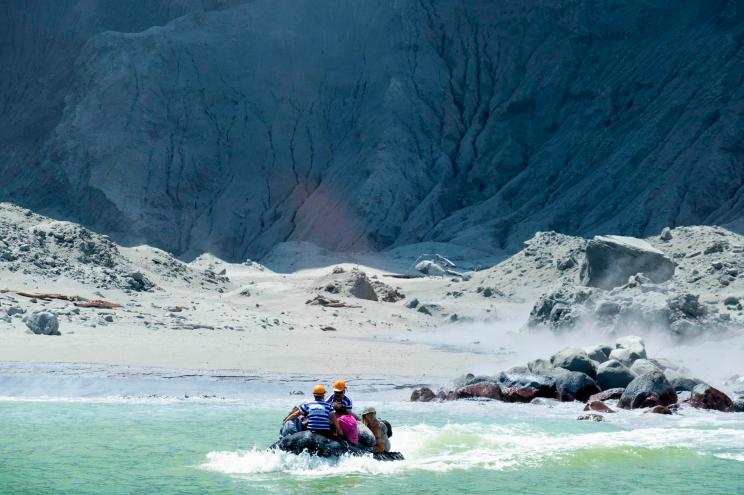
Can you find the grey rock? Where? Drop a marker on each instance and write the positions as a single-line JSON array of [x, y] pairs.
[[428, 308], [413, 303], [537, 366], [545, 384], [560, 308], [625, 356], [139, 282], [573, 385], [574, 359], [688, 305], [430, 268], [611, 260], [643, 366], [599, 353], [632, 343], [731, 301], [686, 384], [666, 234], [42, 323], [613, 374], [15, 310], [647, 387]]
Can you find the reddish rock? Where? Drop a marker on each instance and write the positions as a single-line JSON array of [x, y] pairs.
[[598, 406], [482, 390], [650, 401], [519, 394], [660, 410], [609, 394], [423, 394], [711, 398]]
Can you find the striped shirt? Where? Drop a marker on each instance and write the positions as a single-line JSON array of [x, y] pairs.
[[317, 415], [346, 401]]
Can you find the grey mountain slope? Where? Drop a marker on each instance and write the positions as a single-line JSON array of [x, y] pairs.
[[366, 125]]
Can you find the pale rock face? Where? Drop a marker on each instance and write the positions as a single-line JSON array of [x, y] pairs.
[[231, 126]]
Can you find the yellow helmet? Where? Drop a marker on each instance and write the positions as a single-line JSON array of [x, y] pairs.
[[339, 386], [319, 390]]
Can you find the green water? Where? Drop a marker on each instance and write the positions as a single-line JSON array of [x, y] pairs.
[[195, 448]]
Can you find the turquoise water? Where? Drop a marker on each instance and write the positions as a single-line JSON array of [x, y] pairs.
[[195, 447]]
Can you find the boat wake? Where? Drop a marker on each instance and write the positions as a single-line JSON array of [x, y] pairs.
[[494, 448]]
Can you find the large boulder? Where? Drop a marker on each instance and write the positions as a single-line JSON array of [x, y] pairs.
[[610, 394], [613, 374], [611, 260], [643, 366], [483, 390], [423, 394], [520, 394], [685, 384], [573, 359], [705, 397], [543, 385], [634, 344], [539, 366], [625, 356], [648, 390], [573, 385], [599, 353], [43, 323]]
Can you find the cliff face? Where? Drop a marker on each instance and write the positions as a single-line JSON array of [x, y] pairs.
[[365, 125]]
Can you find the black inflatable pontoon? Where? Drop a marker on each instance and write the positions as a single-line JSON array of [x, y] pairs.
[[312, 443]]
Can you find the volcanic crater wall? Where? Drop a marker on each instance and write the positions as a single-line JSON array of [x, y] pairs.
[[230, 126]]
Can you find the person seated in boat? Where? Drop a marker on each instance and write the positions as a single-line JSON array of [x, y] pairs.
[[378, 428], [319, 414], [339, 395], [347, 424]]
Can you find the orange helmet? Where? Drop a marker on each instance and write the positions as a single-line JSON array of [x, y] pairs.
[[339, 386], [319, 390]]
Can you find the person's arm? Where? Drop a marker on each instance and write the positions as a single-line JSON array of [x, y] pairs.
[[294, 413], [334, 422]]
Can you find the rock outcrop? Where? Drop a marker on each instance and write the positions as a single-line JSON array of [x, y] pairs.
[[611, 260]]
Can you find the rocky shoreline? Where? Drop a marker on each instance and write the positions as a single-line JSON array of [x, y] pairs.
[[603, 376]]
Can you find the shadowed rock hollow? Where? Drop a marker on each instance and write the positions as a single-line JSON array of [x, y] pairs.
[[365, 125]]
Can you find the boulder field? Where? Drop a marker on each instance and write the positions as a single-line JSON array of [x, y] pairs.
[[573, 374]]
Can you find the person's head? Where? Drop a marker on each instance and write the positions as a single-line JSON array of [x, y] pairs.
[[339, 389], [319, 392], [369, 414], [340, 408]]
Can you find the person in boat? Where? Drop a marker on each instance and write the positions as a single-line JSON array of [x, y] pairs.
[[339, 395], [378, 428], [321, 417], [347, 424]]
